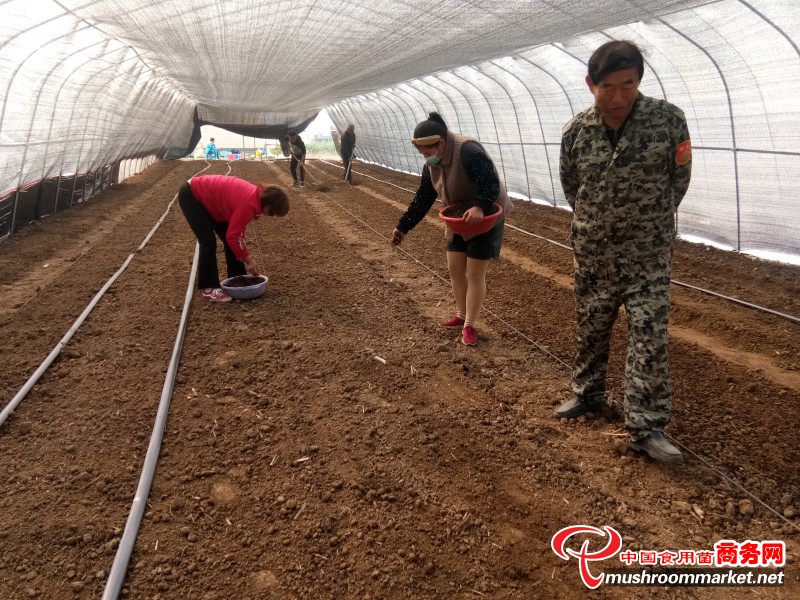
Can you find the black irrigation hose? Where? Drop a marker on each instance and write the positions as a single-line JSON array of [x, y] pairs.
[[680, 283], [737, 301], [677, 442]]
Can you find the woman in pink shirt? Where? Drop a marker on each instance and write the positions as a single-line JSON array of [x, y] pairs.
[[220, 205]]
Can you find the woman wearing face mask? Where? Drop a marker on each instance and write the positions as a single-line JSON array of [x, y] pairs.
[[459, 172]]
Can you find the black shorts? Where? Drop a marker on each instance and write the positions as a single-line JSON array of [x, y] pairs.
[[481, 247]]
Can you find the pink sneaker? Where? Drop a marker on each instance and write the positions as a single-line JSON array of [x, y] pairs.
[[469, 336], [216, 295], [454, 322]]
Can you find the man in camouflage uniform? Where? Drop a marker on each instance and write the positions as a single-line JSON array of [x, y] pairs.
[[625, 167]]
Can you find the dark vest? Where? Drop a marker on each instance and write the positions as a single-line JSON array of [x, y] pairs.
[[453, 184]]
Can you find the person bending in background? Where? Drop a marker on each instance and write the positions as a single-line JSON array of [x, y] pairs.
[[348, 145], [625, 167], [211, 150], [297, 152], [459, 172], [220, 205]]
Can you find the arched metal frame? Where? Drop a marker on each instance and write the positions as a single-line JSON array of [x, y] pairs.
[[77, 95], [519, 127], [43, 147], [396, 99], [496, 96]]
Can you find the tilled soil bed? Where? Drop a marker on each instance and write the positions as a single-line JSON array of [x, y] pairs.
[[328, 441]]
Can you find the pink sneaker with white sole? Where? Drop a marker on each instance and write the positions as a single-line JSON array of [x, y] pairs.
[[469, 336], [454, 322], [216, 295]]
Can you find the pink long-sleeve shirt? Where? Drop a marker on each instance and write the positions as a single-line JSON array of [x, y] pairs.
[[232, 200]]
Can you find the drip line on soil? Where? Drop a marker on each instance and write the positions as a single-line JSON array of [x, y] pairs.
[[443, 280], [541, 237], [371, 177], [33, 379], [733, 482], [20, 395], [719, 472], [157, 225], [258, 246], [119, 568], [566, 247], [737, 301]]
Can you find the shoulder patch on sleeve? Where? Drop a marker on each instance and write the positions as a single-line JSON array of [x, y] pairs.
[[684, 153], [570, 124]]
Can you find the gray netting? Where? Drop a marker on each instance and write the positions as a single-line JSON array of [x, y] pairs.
[[89, 84]]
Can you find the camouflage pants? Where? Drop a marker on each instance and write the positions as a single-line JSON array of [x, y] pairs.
[[644, 293]]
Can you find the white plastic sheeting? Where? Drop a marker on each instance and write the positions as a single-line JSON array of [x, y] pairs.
[[732, 66], [87, 83]]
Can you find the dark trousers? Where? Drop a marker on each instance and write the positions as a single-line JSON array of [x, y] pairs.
[[348, 173], [293, 168], [206, 231]]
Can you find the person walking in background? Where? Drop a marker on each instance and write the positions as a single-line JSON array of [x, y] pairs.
[[211, 150], [219, 205], [625, 167], [348, 145], [297, 152], [459, 172]]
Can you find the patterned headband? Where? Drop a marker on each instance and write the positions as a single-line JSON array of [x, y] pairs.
[[428, 140]]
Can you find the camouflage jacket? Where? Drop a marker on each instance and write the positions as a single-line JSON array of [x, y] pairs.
[[624, 199]]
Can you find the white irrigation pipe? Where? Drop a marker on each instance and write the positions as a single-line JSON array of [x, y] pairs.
[[546, 239], [33, 379], [158, 224], [369, 177], [120, 567], [57, 350]]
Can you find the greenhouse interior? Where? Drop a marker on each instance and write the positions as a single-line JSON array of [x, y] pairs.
[[98, 87], [336, 433]]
